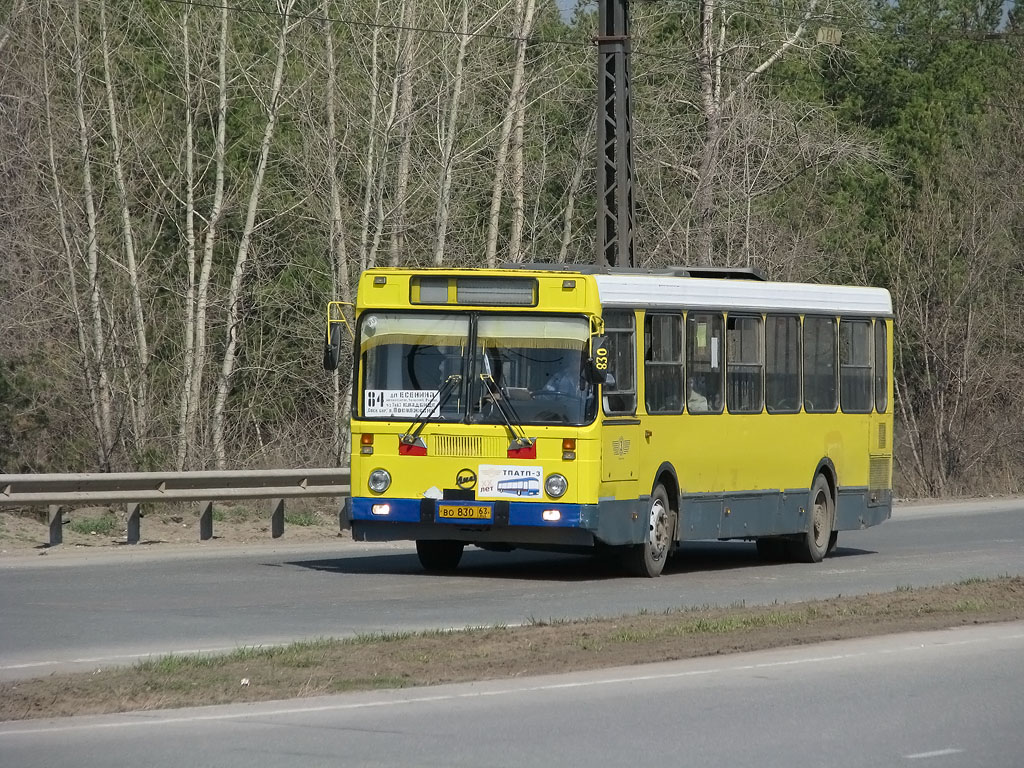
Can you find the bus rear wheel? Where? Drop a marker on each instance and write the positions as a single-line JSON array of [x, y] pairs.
[[439, 555], [648, 559], [812, 546]]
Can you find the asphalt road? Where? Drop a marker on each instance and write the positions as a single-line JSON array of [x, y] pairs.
[[84, 613], [947, 699]]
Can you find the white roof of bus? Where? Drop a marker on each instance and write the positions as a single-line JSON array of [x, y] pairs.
[[665, 292]]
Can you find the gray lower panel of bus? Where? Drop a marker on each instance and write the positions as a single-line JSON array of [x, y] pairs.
[[742, 515], [704, 516], [772, 513]]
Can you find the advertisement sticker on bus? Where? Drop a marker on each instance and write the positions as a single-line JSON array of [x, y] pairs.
[[500, 481]]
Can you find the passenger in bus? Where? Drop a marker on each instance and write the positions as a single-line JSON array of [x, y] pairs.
[[695, 401]]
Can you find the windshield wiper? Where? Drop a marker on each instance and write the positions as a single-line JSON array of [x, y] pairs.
[[508, 414], [412, 436]]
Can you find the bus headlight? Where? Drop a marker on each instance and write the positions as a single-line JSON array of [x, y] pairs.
[[556, 485], [380, 480]]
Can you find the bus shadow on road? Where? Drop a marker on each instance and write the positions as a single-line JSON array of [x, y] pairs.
[[523, 565], [701, 556]]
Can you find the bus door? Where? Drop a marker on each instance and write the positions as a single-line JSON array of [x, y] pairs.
[[620, 433]]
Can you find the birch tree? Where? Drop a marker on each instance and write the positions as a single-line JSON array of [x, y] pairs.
[[197, 296], [140, 402], [340, 286], [524, 16], [99, 357], [273, 105]]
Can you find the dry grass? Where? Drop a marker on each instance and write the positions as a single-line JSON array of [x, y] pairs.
[[428, 658]]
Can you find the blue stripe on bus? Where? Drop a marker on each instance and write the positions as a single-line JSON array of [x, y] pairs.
[[520, 513]]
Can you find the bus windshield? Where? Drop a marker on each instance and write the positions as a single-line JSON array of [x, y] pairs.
[[406, 360], [535, 365]]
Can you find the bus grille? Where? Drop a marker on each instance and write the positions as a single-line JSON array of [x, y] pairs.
[[882, 436], [878, 473], [468, 447]]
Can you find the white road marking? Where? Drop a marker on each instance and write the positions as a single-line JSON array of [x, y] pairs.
[[936, 753], [131, 657]]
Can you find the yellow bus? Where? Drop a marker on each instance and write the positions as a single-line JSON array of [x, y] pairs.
[[617, 411]]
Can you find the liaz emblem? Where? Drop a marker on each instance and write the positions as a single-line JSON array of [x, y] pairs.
[[465, 479], [620, 446]]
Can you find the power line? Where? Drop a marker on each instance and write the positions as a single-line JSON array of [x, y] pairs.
[[875, 27], [640, 52], [378, 25]]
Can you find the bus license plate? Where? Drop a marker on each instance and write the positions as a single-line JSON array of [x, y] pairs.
[[453, 513]]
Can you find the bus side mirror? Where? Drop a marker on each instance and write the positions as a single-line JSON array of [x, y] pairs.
[[332, 347], [598, 366]]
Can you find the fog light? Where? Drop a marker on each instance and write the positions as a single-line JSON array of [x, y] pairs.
[[551, 515], [380, 480], [381, 509], [556, 485]]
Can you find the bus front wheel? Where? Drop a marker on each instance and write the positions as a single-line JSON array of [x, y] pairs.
[[813, 545], [648, 559], [439, 556]]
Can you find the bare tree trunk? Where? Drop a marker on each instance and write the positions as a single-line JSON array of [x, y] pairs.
[[524, 22], [340, 287], [224, 380], [193, 384], [583, 161], [190, 247], [16, 11], [378, 182], [88, 367], [515, 237], [141, 405], [369, 177], [444, 197], [106, 432], [404, 124]]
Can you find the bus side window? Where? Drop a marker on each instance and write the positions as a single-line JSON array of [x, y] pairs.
[[820, 383], [704, 362], [782, 364], [881, 367], [620, 398], [855, 366], [743, 348], [663, 366]]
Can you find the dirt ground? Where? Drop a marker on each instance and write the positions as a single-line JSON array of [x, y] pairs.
[[27, 532]]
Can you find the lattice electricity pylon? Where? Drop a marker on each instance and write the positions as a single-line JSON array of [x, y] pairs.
[[615, 206]]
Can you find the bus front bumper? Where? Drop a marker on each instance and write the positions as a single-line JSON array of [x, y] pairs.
[[538, 523]]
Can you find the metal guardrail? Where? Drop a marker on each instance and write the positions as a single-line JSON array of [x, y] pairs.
[[55, 491]]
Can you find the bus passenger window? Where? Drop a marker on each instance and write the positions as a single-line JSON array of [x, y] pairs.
[[820, 383], [620, 398], [663, 366], [782, 364], [855, 365], [881, 368], [744, 364], [704, 352]]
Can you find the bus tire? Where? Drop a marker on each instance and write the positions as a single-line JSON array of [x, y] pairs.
[[648, 559], [439, 555], [812, 546], [832, 542]]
